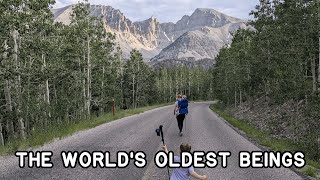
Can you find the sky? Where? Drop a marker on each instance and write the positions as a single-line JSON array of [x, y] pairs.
[[171, 10]]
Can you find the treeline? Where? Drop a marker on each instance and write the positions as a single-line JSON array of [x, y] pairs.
[[196, 83], [279, 61], [52, 74]]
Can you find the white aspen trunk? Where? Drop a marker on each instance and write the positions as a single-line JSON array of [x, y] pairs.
[[1, 136], [27, 124], [228, 99], [133, 91], [240, 98], [15, 35], [235, 97], [198, 85], [102, 89], [170, 89], [84, 94], [47, 90], [88, 78], [133, 87], [176, 78], [7, 95], [314, 77], [121, 86], [165, 87], [189, 84], [47, 93], [164, 90], [137, 88], [181, 82], [5, 47]]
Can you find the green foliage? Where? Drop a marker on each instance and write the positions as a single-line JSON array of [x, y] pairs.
[[139, 89], [279, 61], [53, 74], [194, 82], [310, 171]]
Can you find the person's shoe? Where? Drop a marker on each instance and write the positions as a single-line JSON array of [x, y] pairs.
[[181, 133]]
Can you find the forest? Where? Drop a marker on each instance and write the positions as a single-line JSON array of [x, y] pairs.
[[52, 74], [279, 64]]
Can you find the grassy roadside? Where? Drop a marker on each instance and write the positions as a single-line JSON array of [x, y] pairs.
[[40, 137], [263, 138]]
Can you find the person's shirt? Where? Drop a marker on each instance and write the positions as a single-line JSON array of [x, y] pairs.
[[177, 107], [181, 173]]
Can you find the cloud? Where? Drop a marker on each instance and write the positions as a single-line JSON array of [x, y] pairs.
[[171, 10]]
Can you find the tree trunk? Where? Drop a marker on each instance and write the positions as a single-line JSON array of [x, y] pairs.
[[319, 41], [137, 87], [121, 86], [84, 95], [7, 95], [240, 98], [235, 97], [1, 136], [15, 35], [177, 86], [133, 86], [250, 98], [88, 78], [267, 83], [189, 84], [9, 122], [314, 77], [170, 89], [102, 90], [27, 124], [198, 85], [181, 82], [133, 90], [22, 129], [46, 93]]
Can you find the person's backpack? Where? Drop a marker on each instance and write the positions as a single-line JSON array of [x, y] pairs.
[[183, 106]]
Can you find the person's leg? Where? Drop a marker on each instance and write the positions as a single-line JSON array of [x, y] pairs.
[[178, 121], [181, 121], [180, 118]]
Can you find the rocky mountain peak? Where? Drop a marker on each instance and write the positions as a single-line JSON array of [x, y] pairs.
[[206, 10], [198, 36]]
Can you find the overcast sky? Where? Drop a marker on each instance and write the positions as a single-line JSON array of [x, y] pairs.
[[171, 10]]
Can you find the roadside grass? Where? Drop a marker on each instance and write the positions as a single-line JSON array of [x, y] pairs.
[[41, 136], [263, 138]]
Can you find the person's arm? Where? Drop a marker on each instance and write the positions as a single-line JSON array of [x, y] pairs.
[[175, 108], [197, 176], [165, 148]]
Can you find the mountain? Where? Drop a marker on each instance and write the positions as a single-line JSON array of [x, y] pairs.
[[195, 37], [204, 43]]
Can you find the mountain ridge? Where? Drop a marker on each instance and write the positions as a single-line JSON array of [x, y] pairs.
[[152, 37]]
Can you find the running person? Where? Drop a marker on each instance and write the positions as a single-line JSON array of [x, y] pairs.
[[183, 173], [183, 111]]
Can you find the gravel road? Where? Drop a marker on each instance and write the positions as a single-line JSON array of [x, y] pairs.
[[204, 131]]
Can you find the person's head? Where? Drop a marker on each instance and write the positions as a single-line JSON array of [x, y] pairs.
[[185, 147], [179, 97], [184, 97]]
